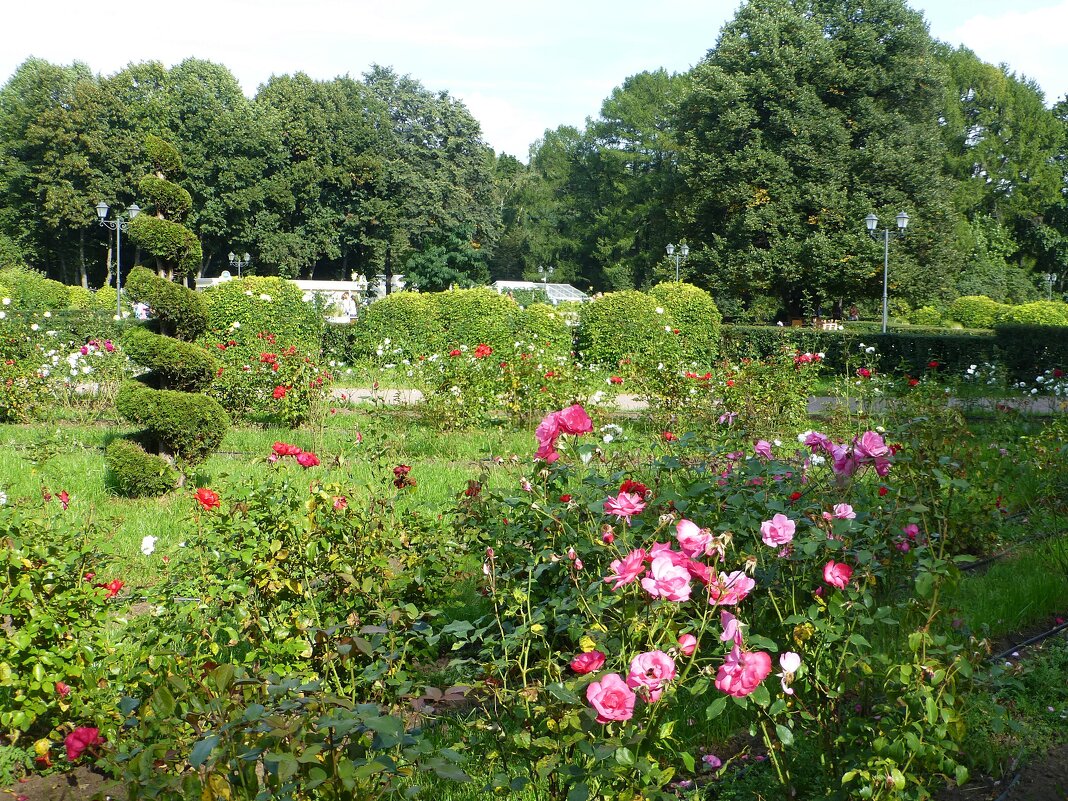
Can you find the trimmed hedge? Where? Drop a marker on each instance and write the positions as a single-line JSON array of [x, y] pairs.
[[175, 364], [693, 312], [473, 316], [1040, 312], [30, 290], [547, 325], [1030, 350], [623, 326], [287, 315], [975, 311], [135, 473], [177, 311], [170, 200], [188, 425], [168, 241]]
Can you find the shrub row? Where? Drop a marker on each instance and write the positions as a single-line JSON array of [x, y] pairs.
[[262, 304]]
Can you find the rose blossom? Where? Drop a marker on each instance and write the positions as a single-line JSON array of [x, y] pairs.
[[80, 739], [837, 574], [762, 448], [624, 506], [687, 644], [732, 628], [777, 531], [307, 459], [693, 541], [627, 569], [667, 580], [587, 662], [62, 689], [611, 698], [843, 511], [789, 662], [651, 670], [730, 588], [742, 672]]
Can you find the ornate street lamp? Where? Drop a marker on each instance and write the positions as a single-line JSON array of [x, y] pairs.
[[118, 225], [873, 224], [1051, 279], [682, 252], [239, 262]]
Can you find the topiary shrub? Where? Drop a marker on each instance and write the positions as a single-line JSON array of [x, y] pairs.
[[181, 428], [624, 327], [1040, 312], [473, 316], [135, 473], [975, 311], [176, 311], [262, 304], [29, 290], [691, 310], [176, 364], [546, 325], [408, 319]]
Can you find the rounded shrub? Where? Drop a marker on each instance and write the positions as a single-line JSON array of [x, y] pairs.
[[1040, 312], [177, 311], [186, 425], [691, 311], [175, 364], [409, 320], [622, 326], [32, 291], [135, 473], [473, 316], [926, 316], [263, 304], [167, 240], [975, 311], [545, 324], [81, 298]]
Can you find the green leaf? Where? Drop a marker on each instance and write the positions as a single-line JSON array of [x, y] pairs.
[[580, 792], [625, 757], [715, 709], [786, 737], [202, 750]]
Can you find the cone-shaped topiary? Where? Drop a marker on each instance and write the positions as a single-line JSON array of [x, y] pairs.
[[182, 427]]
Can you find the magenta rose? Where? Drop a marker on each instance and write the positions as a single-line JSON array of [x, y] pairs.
[[627, 569], [742, 672], [651, 670], [574, 420], [730, 588], [611, 698], [667, 580], [778, 531], [763, 448], [837, 574], [80, 739], [587, 662]]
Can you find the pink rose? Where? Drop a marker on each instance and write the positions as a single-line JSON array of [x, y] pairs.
[[843, 511], [687, 644], [693, 541], [777, 531], [742, 672], [837, 574], [816, 441], [574, 420], [80, 739], [546, 433], [667, 580], [732, 628], [587, 662], [624, 506], [307, 459], [627, 569], [651, 670], [62, 689], [730, 588], [762, 448], [611, 698], [871, 446]]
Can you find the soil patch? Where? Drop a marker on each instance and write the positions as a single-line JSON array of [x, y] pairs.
[[80, 784]]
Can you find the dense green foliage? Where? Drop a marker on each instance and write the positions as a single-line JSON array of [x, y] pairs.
[[135, 473], [187, 425], [175, 310], [177, 364], [691, 311], [625, 327], [260, 304], [975, 311]]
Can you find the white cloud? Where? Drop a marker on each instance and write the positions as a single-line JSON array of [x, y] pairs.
[[1031, 42]]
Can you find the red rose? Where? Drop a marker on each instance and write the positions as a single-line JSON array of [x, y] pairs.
[[80, 739], [669, 436], [883, 491], [62, 690], [932, 365], [454, 352], [207, 498], [794, 496], [113, 587], [616, 379], [280, 392], [307, 459], [565, 499], [482, 351], [634, 487]]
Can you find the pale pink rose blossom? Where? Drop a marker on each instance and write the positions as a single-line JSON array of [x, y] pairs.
[[730, 588], [843, 511], [651, 670], [837, 574], [627, 569], [732, 627], [762, 448], [624, 506], [611, 698], [667, 580], [742, 672], [789, 662], [693, 540], [777, 531]]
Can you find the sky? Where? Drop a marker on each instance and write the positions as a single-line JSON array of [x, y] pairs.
[[520, 68]]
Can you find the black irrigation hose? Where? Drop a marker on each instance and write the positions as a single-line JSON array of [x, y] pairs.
[[1040, 537], [1030, 641]]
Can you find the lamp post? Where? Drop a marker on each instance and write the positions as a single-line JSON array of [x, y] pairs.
[[681, 252], [546, 273], [239, 261], [873, 224], [118, 225], [1051, 279]]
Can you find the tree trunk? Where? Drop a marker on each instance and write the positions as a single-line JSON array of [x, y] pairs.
[[82, 275]]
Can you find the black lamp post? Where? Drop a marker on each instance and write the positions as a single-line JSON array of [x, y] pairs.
[[873, 224], [118, 225]]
